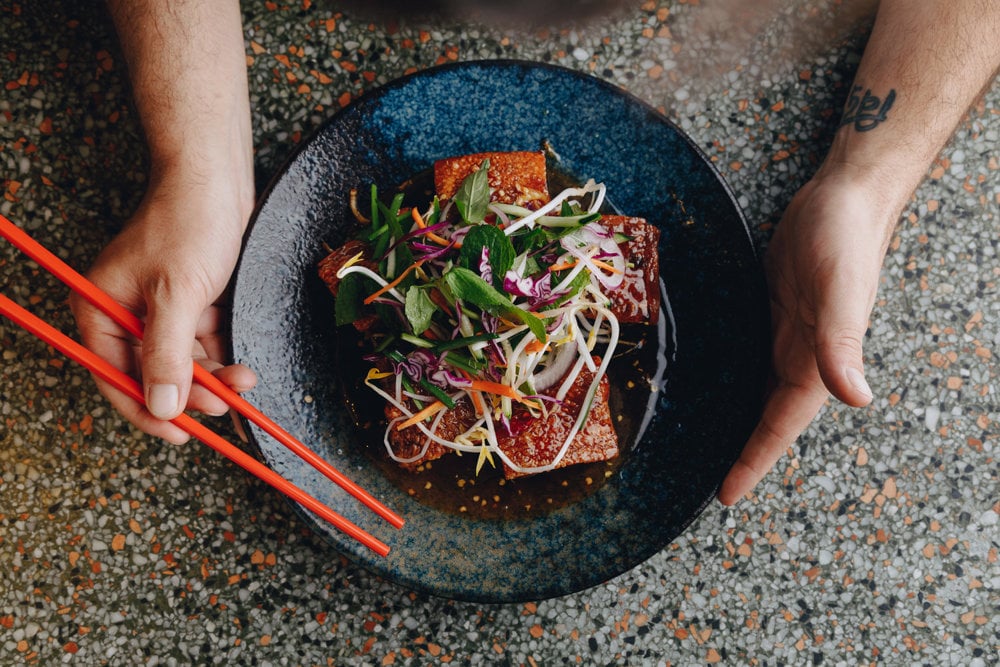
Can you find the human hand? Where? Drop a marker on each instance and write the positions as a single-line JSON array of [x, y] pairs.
[[822, 267], [170, 266]]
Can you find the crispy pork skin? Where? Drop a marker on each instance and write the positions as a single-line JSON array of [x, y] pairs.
[[516, 178]]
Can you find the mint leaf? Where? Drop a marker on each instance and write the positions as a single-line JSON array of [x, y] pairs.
[[349, 304], [469, 287], [473, 195], [419, 309], [499, 249]]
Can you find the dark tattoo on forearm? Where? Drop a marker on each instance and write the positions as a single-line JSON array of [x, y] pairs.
[[866, 112]]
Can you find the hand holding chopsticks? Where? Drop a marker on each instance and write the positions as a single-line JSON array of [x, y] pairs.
[[129, 386]]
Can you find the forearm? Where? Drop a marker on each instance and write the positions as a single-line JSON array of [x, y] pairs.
[[925, 63], [188, 71]]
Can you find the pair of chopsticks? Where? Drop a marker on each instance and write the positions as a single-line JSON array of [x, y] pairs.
[[129, 386]]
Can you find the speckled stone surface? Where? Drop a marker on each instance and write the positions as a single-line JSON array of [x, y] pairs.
[[875, 541]]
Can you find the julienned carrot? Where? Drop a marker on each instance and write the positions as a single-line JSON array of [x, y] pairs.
[[534, 346], [569, 264], [388, 286], [606, 266], [477, 402], [563, 265], [429, 411], [501, 390], [477, 398], [417, 218]]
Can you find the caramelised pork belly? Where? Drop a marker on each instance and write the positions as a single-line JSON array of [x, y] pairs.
[[638, 298], [536, 442], [410, 442]]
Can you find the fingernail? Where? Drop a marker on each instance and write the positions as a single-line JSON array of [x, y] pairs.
[[162, 400], [857, 380]]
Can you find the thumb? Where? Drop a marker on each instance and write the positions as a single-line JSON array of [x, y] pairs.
[[841, 322], [166, 355]]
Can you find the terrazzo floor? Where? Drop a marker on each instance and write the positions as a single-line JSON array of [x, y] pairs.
[[875, 541]]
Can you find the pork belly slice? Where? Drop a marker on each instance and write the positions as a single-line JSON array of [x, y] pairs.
[[408, 442], [329, 265], [638, 298], [516, 177], [539, 441]]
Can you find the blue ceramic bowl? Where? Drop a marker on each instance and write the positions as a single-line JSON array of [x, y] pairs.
[[283, 328]]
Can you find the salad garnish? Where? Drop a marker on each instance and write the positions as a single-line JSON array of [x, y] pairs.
[[490, 309]]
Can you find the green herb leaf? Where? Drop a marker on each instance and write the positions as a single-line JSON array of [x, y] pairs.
[[469, 287], [349, 305], [498, 247], [473, 196], [419, 309], [533, 239]]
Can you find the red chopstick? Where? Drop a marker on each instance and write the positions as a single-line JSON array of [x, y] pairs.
[[122, 382], [134, 326]]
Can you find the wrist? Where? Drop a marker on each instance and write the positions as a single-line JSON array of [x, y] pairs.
[[222, 176], [867, 196], [881, 183]]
